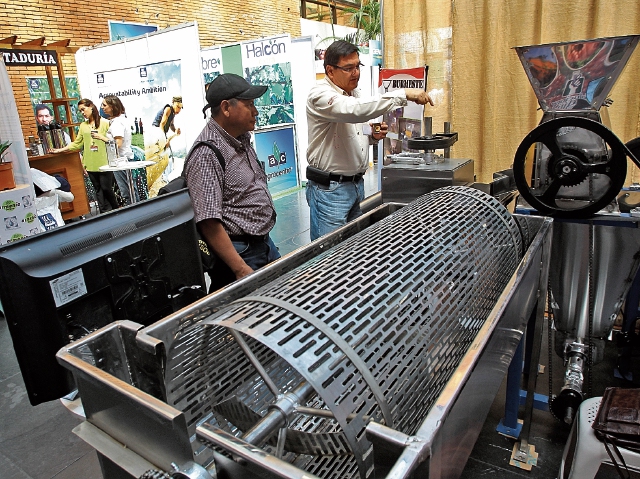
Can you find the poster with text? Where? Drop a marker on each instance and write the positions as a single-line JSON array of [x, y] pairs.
[[267, 62], [145, 91], [276, 150], [211, 64], [401, 119]]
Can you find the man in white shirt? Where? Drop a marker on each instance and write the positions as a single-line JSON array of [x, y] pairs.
[[338, 152]]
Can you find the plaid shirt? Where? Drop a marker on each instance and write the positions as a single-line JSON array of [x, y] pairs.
[[238, 195]]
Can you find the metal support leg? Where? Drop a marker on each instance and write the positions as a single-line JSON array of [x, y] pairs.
[[524, 455], [509, 425]]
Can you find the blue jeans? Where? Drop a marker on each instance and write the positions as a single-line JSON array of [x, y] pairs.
[[255, 254], [123, 186], [333, 206]]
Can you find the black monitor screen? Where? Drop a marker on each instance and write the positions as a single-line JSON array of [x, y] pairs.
[[139, 263]]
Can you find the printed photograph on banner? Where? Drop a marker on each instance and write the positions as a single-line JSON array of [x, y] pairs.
[[396, 79], [404, 123], [268, 62], [39, 94], [148, 94], [275, 107], [122, 30], [392, 147], [392, 118], [276, 150]]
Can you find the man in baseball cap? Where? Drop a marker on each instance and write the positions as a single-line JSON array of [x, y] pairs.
[[228, 86], [234, 210]]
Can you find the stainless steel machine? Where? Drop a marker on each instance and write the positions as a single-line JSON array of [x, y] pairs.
[[375, 351], [571, 166], [420, 170]]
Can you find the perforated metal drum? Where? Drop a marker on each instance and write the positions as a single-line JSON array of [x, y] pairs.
[[373, 328]]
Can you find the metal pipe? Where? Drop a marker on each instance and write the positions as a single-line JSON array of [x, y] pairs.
[[239, 448], [447, 129], [254, 361], [278, 415]]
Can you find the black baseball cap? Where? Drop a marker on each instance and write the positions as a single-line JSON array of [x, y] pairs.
[[228, 86]]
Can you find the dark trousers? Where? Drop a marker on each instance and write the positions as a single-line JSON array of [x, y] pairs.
[[255, 254], [103, 183]]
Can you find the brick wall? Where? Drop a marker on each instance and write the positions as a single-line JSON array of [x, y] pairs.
[[86, 23]]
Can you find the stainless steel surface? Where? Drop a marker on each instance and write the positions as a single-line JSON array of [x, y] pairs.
[[447, 129], [442, 444], [387, 325], [592, 266], [403, 183], [616, 253], [427, 126], [369, 349]]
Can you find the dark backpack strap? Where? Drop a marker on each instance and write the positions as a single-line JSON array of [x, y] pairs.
[[210, 144]]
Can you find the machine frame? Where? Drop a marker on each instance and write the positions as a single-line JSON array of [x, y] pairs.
[[133, 431]]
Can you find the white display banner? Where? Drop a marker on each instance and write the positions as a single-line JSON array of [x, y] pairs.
[[268, 62], [303, 77], [146, 73], [211, 60], [266, 51], [11, 131]]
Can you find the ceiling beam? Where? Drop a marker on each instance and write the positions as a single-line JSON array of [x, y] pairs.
[[38, 42]]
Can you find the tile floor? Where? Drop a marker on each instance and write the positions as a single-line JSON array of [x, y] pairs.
[[37, 442]]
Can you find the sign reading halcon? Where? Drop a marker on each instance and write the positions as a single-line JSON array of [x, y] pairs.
[[30, 58]]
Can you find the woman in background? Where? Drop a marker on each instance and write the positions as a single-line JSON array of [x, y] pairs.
[[94, 153], [120, 132]]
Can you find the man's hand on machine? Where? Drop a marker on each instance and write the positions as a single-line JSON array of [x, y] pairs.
[[418, 96]]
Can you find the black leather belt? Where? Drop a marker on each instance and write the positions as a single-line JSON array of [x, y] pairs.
[[248, 238], [325, 178], [345, 178]]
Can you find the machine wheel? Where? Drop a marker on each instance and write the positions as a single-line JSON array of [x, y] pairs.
[[433, 142], [569, 166]]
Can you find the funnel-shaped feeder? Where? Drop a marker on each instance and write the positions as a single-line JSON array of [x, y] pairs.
[[577, 75]]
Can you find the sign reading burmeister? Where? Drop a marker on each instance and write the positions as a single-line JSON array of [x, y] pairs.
[[29, 58]]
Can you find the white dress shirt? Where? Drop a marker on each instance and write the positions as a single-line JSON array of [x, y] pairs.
[[337, 143]]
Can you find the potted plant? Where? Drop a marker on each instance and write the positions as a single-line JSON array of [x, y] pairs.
[[7, 180]]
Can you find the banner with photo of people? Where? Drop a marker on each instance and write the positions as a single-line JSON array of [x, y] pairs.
[[145, 91], [39, 92], [150, 74], [277, 151]]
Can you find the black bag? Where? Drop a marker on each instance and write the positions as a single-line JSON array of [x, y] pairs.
[[617, 423], [207, 256]]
